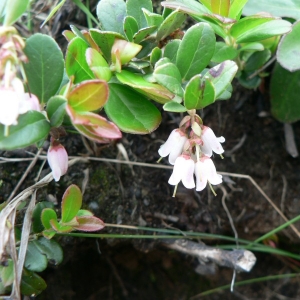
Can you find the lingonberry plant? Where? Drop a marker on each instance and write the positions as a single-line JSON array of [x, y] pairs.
[[134, 58]]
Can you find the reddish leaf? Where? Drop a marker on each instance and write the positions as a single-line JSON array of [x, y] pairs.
[[94, 126], [71, 203], [89, 95], [60, 228], [89, 223]]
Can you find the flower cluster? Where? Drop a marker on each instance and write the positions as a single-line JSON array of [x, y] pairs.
[[13, 99], [190, 148]]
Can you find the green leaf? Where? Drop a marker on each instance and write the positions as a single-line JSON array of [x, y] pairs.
[[35, 260], [195, 50], [111, 14], [48, 214], [51, 249], [31, 283], [170, 24], [83, 212], [223, 52], [192, 8], [249, 83], [79, 34], [236, 8], [221, 76], [199, 93], [98, 64], [76, 64], [169, 76], [71, 203], [278, 8], [155, 56], [37, 225], [56, 110], [105, 41], [174, 107], [288, 53], [131, 111], [143, 33], [58, 227], [31, 128], [45, 67], [89, 95], [152, 18], [7, 273], [14, 10], [171, 50], [131, 27], [256, 28], [154, 91], [257, 60], [89, 223], [284, 90], [220, 7], [226, 93], [134, 9], [252, 47]]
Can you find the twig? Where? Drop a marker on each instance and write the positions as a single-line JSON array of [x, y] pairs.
[[31, 165], [238, 259]]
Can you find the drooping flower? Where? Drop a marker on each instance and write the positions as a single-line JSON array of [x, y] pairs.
[[173, 146], [14, 101], [205, 170], [211, 143], [183, 171], [57, 157]]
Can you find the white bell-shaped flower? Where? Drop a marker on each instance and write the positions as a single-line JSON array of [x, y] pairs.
[[173, 146], [57, 157], [205, 170], [211, 143], [183, 171]]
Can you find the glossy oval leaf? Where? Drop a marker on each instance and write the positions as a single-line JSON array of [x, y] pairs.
[[51, 249], [37, 225], [171, 50], [155, 56], [152, 18], [221, 76], [71, 203], [76, 64], [56, 110], [131, 27], [47, 215], [173, 21], [89, 95], [195, 50], [253, 29], [89, 223], [278, 8], [284, 91], [45, 67], [153, 91], [169, 76], [199, 93], [31, 128], [131, 111], [14, 10], [174, 107], [93, 126], [223, 52], [288, 53], [257, 60], [236, 8], [31, 283], [134, 9], [105, 41], [35, 260], [111, 14], [220, 7], [143, 33]]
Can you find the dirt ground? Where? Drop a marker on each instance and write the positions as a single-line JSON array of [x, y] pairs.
[[142, 269]]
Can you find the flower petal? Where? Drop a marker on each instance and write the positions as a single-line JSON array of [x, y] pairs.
[[211, 171], [9, 107], [188, 174], [211, 142], [201, 178], [177, 171]]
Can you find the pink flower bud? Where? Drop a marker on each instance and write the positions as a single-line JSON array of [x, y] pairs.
[[57, 157]]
